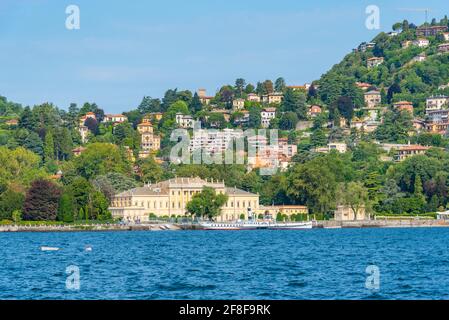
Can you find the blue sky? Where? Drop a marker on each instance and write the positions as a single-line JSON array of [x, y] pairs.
[[128, 49]]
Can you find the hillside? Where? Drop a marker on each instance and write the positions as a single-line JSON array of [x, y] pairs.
[[416, 79]]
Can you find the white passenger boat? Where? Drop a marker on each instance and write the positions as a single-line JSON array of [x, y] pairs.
[[255, 225], [252, 224], [238, 225]]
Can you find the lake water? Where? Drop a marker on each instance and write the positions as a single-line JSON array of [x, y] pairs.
[[306, 264]]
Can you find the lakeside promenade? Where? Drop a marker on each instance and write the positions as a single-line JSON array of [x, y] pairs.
[[328, 224]]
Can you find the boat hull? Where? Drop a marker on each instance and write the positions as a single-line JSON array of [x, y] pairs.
[[291, 226], [256, 226]]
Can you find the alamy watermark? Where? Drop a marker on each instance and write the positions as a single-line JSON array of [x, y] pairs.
[[373, 279], [72, 281], [372, 22], [258, 149], [72, 21]]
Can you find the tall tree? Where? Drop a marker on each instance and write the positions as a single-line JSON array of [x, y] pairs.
[[10, 200], [314, 184], [151, 171], [42, 201], [288, 121], [195, 105], [279, 85], [393, 89], [149, 105], [345, 107], [240, 84], [295, 102], [66, 208], [268, 86], [354, 195], [49, 146]]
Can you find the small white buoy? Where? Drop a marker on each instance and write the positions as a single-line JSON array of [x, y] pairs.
[[88, 248], [44, 248]]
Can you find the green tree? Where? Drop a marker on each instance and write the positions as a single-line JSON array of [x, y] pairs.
[[195, 105], [345, 107], [354, 195], [295, 102], [279, 85], [80, 189], [239, 87], [100, 204], [101, 158], [255, 119], [288, 121], [151, 171], [10, 201], [207, 203], [149, 105], [318, 138], [113, 183], [268, 86], [49, 147], [16, 216], [314, 184], [66, 208]]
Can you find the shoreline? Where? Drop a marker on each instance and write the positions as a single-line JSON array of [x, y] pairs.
[[400, 223]]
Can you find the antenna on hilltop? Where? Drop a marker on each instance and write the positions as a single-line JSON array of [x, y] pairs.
[[425, 10]]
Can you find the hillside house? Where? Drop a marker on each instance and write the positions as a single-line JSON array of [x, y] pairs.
[[430, 31], [436, 103], [267, 114], [372, 99], [404, 106], [253, 97], [409, 151], [374, 62], [275, 97], [184, 121], [203, 97], [421, 42], [238, 104], [443, 48], [115, 118]]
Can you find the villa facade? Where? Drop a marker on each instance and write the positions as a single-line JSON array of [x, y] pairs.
[[169, 199]]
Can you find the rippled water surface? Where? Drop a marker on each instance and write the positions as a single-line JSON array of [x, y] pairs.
[[314, 264]]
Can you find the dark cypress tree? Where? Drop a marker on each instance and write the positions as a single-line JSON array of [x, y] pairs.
[[195, 104], [394, 88], [26, 120], [42, 201]]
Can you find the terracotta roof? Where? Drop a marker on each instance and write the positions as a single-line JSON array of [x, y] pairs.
[[413, 147]]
